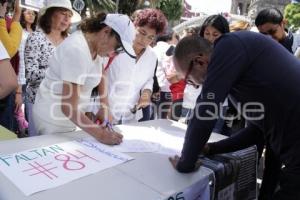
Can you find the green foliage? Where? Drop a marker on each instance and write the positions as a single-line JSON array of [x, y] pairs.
[[109, 5], [100, 6], [128, 7], [292, 14], [173, 9]]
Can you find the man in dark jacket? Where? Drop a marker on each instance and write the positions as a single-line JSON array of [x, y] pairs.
[[260, 74]]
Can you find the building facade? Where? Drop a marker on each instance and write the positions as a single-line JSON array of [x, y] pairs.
[[251, 8], [240, 7], [257, 5]]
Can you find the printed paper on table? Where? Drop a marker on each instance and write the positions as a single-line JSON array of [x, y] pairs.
[[43, 168]]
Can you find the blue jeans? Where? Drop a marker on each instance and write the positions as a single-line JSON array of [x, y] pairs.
[[162, 105], [148, 113], [176, 108], [31, 128], [7, 110], [186, 113]]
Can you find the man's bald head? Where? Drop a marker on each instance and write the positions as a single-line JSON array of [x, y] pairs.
[[191, 58], [189, 47]]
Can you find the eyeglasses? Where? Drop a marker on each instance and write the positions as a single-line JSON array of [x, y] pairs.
[[149, 38], [119, 47], [189, 71]]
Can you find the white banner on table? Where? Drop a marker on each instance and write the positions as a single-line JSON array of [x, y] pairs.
[[33, 4], [198, 191], [43, 168], [170, 140], [129, 146]]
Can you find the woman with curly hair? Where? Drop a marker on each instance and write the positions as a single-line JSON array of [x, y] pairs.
[[130, 80]]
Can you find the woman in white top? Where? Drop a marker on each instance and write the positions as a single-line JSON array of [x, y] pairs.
[[53, 24], [131, 80], [74, 70], [164, 96]]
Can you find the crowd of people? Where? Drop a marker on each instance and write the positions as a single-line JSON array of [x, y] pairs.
[[115, 69]]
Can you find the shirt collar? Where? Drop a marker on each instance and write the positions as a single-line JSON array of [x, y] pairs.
[[287, 42]]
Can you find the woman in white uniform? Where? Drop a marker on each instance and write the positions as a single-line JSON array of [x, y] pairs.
[[74, 70], [130, 81]]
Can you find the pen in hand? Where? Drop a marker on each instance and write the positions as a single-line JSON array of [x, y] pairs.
[[109, 136], [106, 124]]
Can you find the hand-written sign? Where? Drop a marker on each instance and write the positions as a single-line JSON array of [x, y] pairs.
[[126, 146], [43, 168]]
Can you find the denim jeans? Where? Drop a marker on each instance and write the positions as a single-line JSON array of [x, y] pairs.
[[162, 105], [31, 128], [148, 113], [7, 109]]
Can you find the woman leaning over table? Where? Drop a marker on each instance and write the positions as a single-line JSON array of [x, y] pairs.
[[53, 25], [74, 70]]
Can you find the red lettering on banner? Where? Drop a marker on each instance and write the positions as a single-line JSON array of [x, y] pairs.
[[68, 162], [83, 155], [41, 169]]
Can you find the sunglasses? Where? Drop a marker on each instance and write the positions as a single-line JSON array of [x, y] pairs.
[[119, 48]]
